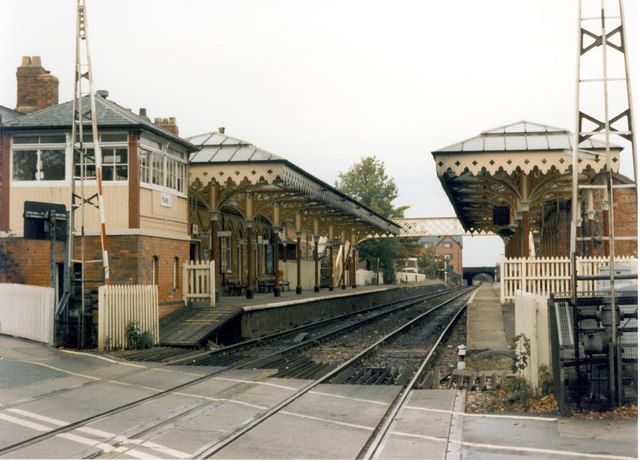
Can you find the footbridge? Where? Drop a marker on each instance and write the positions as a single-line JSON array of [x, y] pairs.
[[433, 226]]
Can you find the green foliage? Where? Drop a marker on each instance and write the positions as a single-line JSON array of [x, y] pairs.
[[517, 392], [429, 262], [521, 346], [136, 338], [8, 265], [545, 380], [367, 182]]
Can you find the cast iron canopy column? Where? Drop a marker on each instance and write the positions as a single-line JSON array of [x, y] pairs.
[[343, 238], [353, 260], [298, 252], [249, 224], [316, 237], [276, 244], [330, 243]]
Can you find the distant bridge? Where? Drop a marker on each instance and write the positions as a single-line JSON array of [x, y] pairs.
[[433, 226]]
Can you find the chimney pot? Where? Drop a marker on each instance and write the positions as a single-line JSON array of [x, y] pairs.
[[26, 60], [103, 93], [172, 120], [221, 129], [36, 61], [143, 112]]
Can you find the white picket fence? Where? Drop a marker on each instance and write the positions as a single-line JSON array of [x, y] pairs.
[[27, 311], [199, 281], [120, 304], [552, 275]]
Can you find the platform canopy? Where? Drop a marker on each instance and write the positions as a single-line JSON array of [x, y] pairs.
[[226, 170], [522, 166]]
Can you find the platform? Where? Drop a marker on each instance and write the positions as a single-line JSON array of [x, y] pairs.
[[485, 324], [191, 326]]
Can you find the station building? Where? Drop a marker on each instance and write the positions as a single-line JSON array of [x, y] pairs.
[[169, 200], [515, 181]]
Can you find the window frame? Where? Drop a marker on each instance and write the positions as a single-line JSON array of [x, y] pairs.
[[39, 148], [167, 154], [106, 145]]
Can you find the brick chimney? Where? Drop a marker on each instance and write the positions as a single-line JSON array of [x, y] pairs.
[[168, 123], [37, 88]]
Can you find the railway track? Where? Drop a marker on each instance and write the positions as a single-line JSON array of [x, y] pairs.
[[386, 311], [211, 449], [226, 356]]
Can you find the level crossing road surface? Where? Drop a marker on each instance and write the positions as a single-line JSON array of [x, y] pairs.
[[42, 389]]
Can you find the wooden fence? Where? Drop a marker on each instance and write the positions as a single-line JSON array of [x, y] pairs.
[[199, 281], [27, 311], [545, 276], [118, 305]]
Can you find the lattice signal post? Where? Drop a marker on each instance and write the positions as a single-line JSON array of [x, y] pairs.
[[85, 160], [602, 49]]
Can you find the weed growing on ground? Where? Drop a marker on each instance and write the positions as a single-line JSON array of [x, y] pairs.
[[138, 339]]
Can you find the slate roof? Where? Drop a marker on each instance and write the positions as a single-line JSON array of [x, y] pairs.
[[8, 114], [109, 115], [436, 240], [522, 136], [217, 147]]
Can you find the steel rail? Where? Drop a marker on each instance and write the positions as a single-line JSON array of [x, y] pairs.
[[96, 417], [246, 343], [210, 449], [264, 338], [259, 364], [375, 443], [264, 361]]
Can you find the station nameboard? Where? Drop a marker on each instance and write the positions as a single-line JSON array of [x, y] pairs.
[[38, 218]]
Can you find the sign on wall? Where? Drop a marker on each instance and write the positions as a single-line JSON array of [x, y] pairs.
[[40, 218], [165, 199]]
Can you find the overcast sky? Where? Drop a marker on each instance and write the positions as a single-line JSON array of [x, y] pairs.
[[324, 83]]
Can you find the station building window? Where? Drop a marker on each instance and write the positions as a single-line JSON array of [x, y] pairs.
[[38, 157], [176, 272], [154, 270], [162, 166], [448, 244], [115, 157]]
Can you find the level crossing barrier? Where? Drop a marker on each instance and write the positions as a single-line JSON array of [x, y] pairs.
[[552, 275], [27, 311], [120, 305], [199, 281]]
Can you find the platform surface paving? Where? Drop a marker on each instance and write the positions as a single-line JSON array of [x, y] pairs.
[[42, 388], [485, 325]]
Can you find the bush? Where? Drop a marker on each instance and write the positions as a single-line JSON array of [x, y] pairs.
[[545, 380], [136, 338], [517, 392]]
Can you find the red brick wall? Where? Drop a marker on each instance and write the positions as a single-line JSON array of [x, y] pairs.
[[130, 259], [555, 239], [166, 250], [456, 253]]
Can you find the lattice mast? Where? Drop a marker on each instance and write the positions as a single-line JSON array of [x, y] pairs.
[[599, 34], [81, 204]]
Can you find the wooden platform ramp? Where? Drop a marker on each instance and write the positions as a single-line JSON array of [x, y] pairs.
[[192, 326]]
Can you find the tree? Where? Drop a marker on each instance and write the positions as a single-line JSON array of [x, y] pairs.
[[368, 182], [429, 262]]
